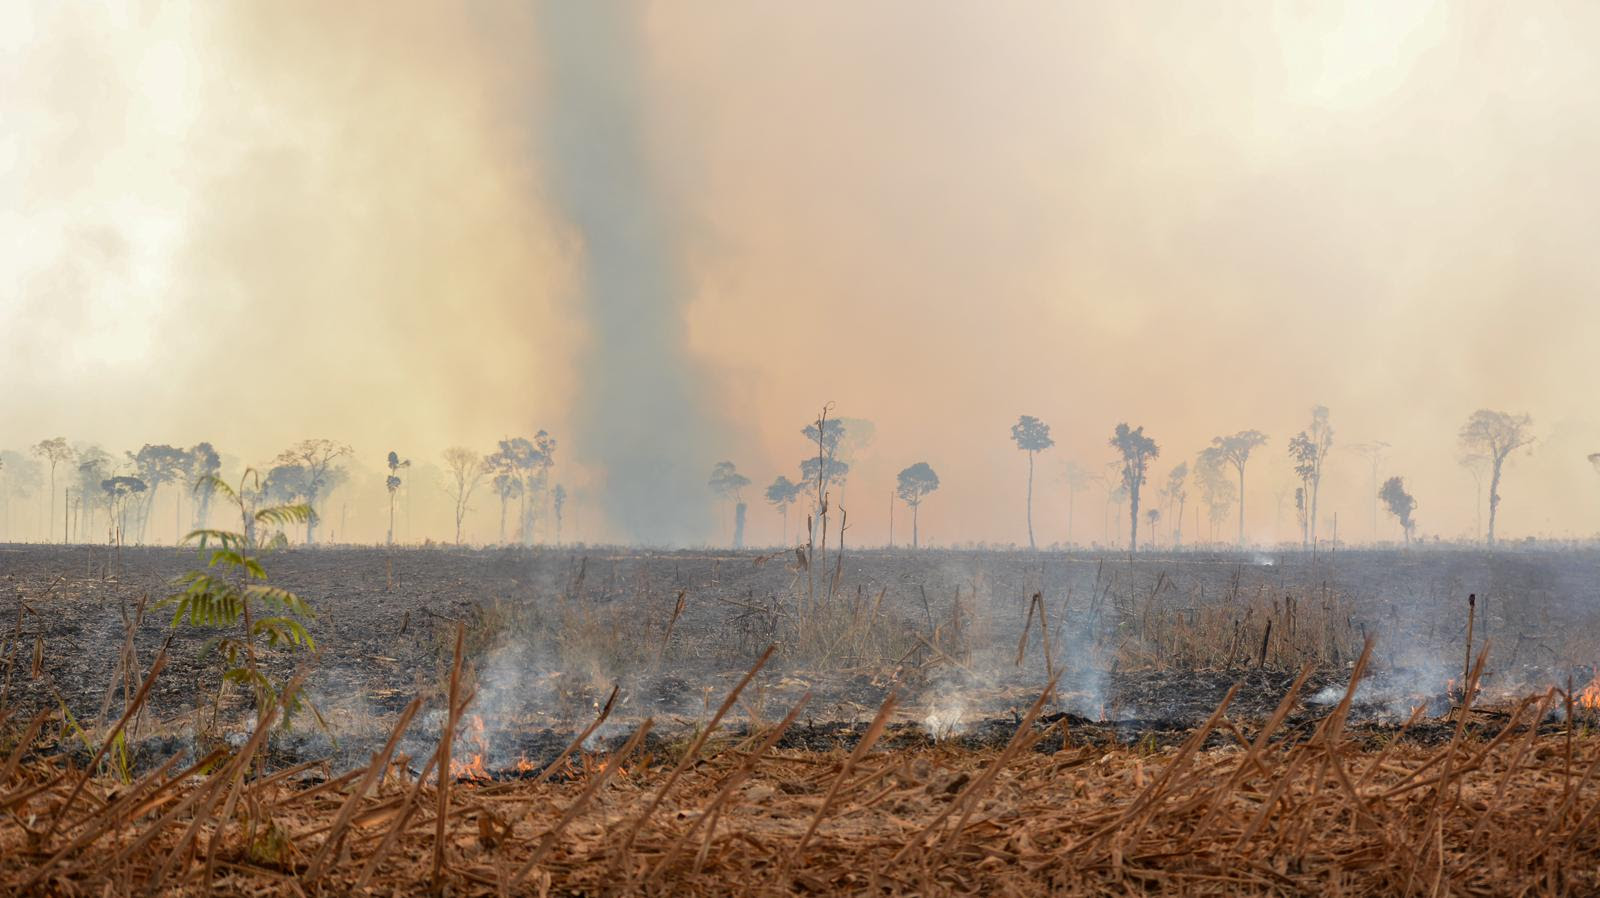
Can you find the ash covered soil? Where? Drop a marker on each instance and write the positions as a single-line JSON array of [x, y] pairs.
[[1143, 650]]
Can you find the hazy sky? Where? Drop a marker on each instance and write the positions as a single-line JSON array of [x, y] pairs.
[[252, 223]]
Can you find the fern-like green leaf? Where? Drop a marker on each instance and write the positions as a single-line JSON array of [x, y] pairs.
[[275, 595], [283, 515], [282, 629], [217, 484]]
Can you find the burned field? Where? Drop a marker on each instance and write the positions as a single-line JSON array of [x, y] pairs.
[[693, 722]]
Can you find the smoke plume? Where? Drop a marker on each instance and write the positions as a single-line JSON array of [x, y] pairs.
[[637, 409]]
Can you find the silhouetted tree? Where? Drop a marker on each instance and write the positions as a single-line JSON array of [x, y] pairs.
[[823, 469], [1137, 452], [1031, 436], [204, 467], [1373, 452], [157, 465], [1400, 504], [537, 483], [392, 484], [1077, 478], [912, 486], [1235, 451], [559, 497], [54, 451], [1176, 493], [1300, 512], [1216, 490], [23, 475], [781, 494], [856, 437], [94, 468], [507, 483], [1309, 448], [120, 491], [521, 469], [1478, 467], [319, 459], [729, 484], [1493, 436], [466, 472]]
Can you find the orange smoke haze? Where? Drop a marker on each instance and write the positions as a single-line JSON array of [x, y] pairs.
[[254, 224]]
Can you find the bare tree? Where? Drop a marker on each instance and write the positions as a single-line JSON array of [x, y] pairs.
[[1373, 452], [466, 473], [319, 459], [1032, 436], [824, 468], [1077, 478], [781, 494], [54, 451], [1137, 452], [1216, 490], [1493, 436], [1400, 503], [1235, 451], [912, 486], [1176, 492], [1309, 449]]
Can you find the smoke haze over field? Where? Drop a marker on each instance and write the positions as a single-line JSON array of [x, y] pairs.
[[668, 232]]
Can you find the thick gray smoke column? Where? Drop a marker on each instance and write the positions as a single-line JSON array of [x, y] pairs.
[[638, 411]]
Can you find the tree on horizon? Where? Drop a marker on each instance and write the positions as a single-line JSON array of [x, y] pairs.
[[1031, 436]]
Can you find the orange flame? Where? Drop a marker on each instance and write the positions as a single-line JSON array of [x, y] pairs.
[[1589, 698], [472, 766]]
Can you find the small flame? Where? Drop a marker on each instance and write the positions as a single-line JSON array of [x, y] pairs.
[[1589, 698], [471, 767]]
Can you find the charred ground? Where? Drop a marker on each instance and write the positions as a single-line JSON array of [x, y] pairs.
[[1144, 649]]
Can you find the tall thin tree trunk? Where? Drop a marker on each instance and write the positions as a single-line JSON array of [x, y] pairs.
[[1133, 512], [1241, 505], [1316, 487], [1494, 495], [1030, 501], [915, 537]]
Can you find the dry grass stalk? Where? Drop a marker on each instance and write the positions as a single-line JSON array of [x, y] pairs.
[[453, 711]]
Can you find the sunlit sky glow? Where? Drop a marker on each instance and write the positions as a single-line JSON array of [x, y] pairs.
[[253, 223]]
